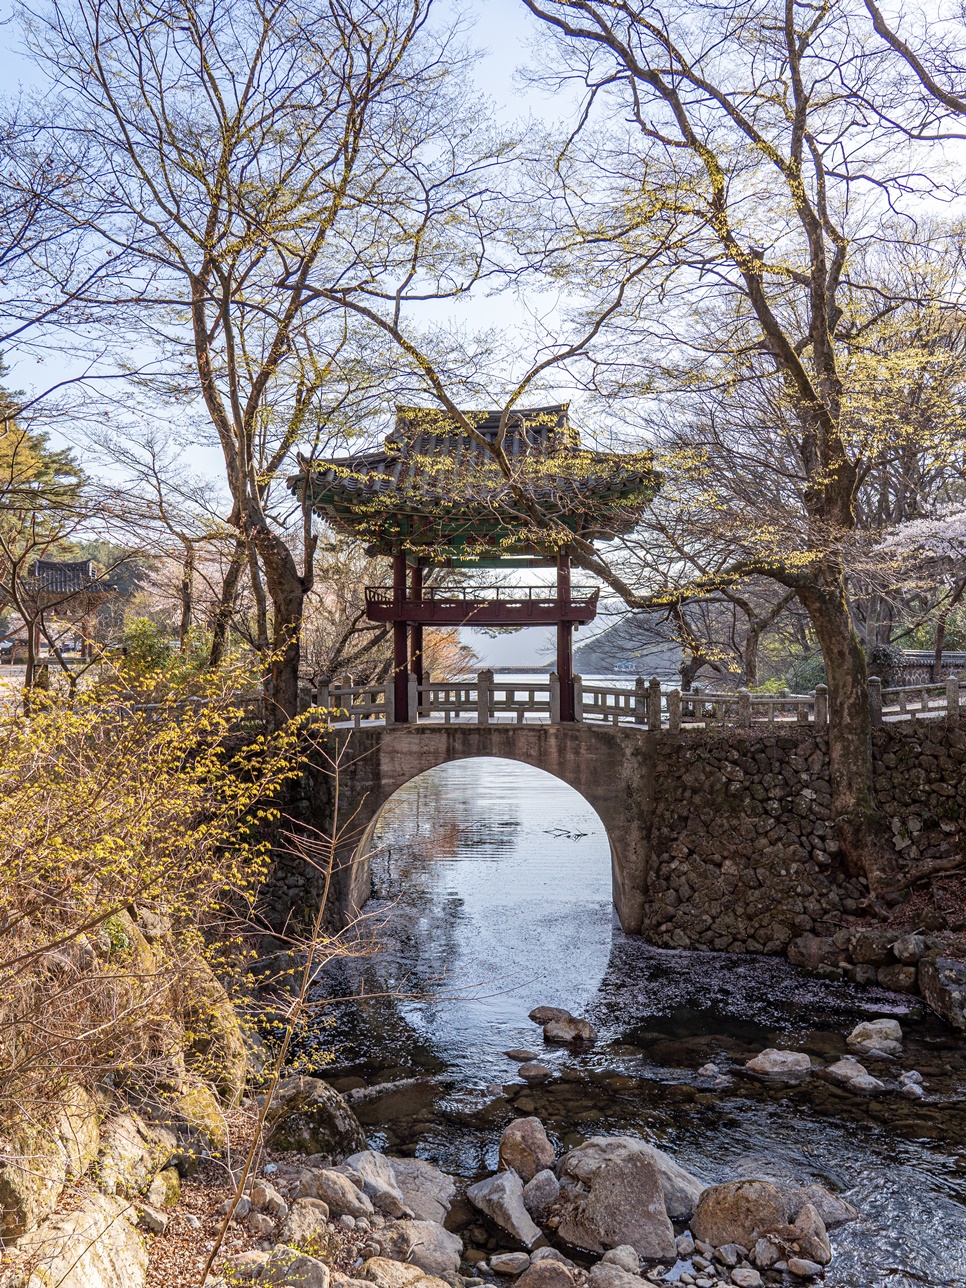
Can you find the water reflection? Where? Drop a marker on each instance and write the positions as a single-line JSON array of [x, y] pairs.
[[492, 893]]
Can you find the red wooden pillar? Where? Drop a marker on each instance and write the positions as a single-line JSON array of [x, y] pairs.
[[400, 644], [416, 630], [565, 639]]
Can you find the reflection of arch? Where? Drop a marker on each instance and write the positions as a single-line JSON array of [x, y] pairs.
[[611, 769]]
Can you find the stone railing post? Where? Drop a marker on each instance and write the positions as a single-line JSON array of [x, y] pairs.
[[674, 711], [654, 703], [322, 698], [412, 693], [484, 693], [875, 699], [554, 698], [640, 700], [744, 708], [578, 698], [426, 698], [821, 706], [390, 702], [952, 697]]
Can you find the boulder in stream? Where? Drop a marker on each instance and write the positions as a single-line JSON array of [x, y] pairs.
[[424, 1244], [526, 1148], [544, 1014], [853, 1075], [569, 1030], [611, 1194], [548, 1273], [500, 1197], [427, 1191], [772, 1063], [738, 1212], [680, 1187], [874, 1037], [373, 1173], [540, 1194]]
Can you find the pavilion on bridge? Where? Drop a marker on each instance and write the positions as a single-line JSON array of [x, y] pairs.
[[504, 490]]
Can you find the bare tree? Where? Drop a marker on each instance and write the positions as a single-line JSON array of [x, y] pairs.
[[243, 153]]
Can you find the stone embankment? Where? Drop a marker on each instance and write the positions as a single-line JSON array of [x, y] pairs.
[[744, 856]]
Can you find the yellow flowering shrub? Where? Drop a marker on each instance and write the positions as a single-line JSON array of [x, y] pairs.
[[133, 842]]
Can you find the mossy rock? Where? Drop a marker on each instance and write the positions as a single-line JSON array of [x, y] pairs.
[[215, 1046], [133, 1151], [308, 1116], [42, 1156], [200, 1109], [165, 1190]]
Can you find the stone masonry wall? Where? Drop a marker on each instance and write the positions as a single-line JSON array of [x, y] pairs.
[[743, 852]]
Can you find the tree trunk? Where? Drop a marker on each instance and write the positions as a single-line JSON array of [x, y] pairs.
[[859, 826], [287, 590], [229, 589], [186, 593], [941, 621], [752, 640]]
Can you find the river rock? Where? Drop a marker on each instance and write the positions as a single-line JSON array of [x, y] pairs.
[[266, 1198], [426, 1191], [850, 1073], [811, 1236], [871, 947], [509, 1263], [611, 1194], [338, 1192], [746, 1277], [898, 978], [803, 1268], [397, 1274], [534, 1071], [737, 1212], [548, 1273], [874, 1036], [569, 1030], [813, 952], [624, 1256], [292, 1268], [684, 1245], [95, 1246], [831, 1208], [525, 1147], [520, 1054], [765, 1253], [909, 949], [942, 982], [305, 1221], [500, 1197], [607, 1275], [772, 1063], [245, 1267], [424, 1244], [378, 1182], [541, 1193], [544, 1014], [307, 1116], [681, 1189]]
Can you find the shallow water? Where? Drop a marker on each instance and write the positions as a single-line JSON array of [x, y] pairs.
[[492, 896]]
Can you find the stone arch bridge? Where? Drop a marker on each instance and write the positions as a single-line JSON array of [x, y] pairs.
[[721, 836]]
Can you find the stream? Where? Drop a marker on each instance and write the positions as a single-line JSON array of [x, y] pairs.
[[492, 895]]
